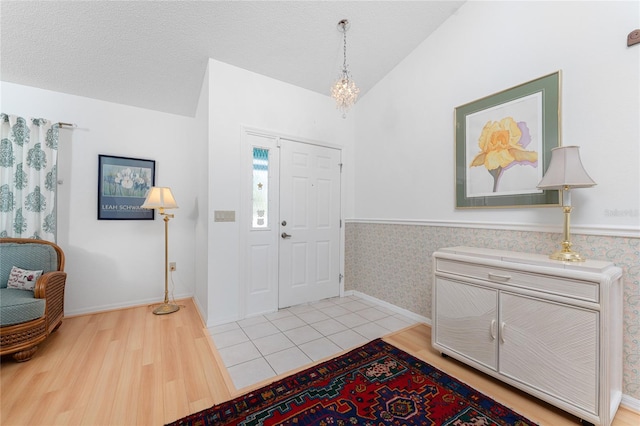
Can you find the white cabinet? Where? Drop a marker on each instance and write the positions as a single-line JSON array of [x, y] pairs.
[[552, 329]]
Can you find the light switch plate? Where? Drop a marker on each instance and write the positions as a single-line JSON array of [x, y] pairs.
[[224, 216]]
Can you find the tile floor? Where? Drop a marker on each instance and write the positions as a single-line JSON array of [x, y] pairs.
[[257, 348]]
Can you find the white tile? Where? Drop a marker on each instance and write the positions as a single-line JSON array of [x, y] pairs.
[[250, 372], [260, 330], [394, 323], [322, 304], [288, 323], [321, 348], [386, 310], [354, 306], [274, 343], [334, 311], [408, 320], [283, 313], [371, 330], [329, 326], [287, 360], [304, 307], [312, 316], [372, 314], [351, 320], [343, 300], [367, 302], [217, 329], [303, 334], [252, 321], [229, 338], [404, 318], [347, 339], [301, 309], [237, 354]]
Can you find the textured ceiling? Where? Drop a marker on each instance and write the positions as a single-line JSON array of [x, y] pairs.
[[153, 54]]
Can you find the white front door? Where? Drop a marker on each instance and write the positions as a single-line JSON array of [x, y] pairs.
[[309, 265]]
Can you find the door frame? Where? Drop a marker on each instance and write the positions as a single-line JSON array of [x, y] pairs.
[[244, 216]]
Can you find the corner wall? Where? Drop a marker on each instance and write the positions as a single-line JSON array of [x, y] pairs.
[[404, 125], [238, 98], [405, 278], [116, 263], [405, 139]]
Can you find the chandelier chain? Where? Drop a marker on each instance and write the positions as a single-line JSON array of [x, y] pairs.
[[344, 62]]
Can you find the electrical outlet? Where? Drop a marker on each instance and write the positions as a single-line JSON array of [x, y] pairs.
[[172, 266]]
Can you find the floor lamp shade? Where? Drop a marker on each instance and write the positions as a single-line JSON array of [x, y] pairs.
[[565, 172], [161, 198]]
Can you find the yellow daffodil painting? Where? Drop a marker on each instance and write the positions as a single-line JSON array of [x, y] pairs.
[[502, 146]]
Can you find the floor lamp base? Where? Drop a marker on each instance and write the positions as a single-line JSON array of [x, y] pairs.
[[166, 308]]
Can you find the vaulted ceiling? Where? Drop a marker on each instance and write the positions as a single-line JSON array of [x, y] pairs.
[[153, 54]]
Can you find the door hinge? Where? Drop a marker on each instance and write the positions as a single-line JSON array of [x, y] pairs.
[[340, 277], [340, 164], [340, 223]]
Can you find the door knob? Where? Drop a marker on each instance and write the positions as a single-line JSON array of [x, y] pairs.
[[285, 235]]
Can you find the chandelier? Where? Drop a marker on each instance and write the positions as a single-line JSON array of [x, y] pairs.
[[344, 90]]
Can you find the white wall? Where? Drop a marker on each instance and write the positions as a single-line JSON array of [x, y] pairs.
[[113, 264], [241, 98], [405, 133], [201, 146]]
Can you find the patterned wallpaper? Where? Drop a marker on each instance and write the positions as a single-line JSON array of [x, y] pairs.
[[392, 262]]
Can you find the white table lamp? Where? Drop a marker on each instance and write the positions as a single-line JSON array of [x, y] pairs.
[[566, 172]]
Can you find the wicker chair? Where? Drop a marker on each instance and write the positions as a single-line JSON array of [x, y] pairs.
[[22, 338]]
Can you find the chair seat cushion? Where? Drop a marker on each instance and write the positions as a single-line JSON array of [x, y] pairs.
[[18, 306]]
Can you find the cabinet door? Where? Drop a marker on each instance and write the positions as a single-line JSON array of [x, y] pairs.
[[466, 320], [551, 347]]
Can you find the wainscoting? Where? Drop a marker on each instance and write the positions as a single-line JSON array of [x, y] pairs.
[[392, 262]]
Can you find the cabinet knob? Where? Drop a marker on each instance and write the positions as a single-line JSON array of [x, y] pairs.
[[501, 278]]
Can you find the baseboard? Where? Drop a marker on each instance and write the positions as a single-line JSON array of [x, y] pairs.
[[117, 306], [389, 306], [630, 403]]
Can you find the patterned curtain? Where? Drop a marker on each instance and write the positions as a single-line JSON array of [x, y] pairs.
[[28, 157]]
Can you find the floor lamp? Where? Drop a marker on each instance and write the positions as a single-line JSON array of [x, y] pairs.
[[161, 198]]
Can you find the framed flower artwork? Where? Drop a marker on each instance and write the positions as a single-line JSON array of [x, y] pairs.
[[503, 146], [123, 184]]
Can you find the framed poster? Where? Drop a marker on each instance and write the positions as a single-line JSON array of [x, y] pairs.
[[123, 184], [503, 146]]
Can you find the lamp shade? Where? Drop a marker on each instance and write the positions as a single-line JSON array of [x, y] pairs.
[[159, 198], [565, 170]]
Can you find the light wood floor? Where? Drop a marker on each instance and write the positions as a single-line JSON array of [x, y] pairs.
[[130, 367]]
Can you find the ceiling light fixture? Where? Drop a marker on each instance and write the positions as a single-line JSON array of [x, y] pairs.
[[344, 90]]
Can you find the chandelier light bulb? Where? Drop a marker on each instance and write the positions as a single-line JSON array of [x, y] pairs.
[[344, 90]]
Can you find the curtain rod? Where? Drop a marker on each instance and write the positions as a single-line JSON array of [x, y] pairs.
[[73, 125]]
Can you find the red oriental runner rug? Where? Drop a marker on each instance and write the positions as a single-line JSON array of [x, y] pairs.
[[376, 384]]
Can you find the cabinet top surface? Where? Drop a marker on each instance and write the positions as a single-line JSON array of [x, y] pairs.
[[527, 258]]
